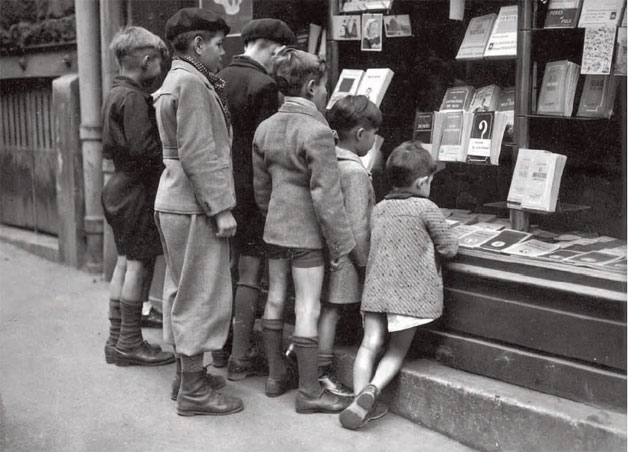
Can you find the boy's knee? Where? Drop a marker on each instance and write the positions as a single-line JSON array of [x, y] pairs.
[[134, 266], [274, 305], [373, 345]]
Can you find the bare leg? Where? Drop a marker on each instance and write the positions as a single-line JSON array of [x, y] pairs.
[[327, 323], [308, 283], [393, 358], [117, 279], [277, 287], [133, 282], [372, 343]]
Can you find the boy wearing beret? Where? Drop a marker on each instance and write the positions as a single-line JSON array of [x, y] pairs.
[[193, 207], [253, 96]]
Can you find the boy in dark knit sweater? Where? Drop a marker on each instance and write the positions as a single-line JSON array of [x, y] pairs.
[[403, 287]]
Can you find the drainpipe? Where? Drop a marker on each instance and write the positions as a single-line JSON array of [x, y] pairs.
[[112, 19], [88, 49]]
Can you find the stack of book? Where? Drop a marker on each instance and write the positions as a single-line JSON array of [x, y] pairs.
[[598, 96], [536, 180], [372, 83], [559, 88]]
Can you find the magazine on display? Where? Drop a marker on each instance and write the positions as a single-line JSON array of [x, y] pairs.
[[476, 37]]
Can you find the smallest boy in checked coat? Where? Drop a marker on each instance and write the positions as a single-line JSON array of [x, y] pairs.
[[356, 120]]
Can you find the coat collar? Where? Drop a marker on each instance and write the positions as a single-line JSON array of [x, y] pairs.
[[303, 106], [185, 66], [121, 80], [247, 61], [400, 193], [344, 154]]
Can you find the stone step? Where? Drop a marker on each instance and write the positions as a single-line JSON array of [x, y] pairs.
[[488, 414], [41, 245]]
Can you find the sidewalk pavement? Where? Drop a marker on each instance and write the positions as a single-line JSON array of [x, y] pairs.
[[57, 393]]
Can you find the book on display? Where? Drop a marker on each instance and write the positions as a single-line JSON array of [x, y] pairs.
[[502, 42], [598, 96], [374, 159], [597, 53], [504, 239], [600, 13], [347, 84], [558, 89], [485, 98], [476, 37], [374, 84], [476, 237], [454, 135], [423, 125], [563, 13], [457, 98], [531, 248]]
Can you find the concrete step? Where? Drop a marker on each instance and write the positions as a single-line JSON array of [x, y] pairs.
[[488, 414], [41, 245]]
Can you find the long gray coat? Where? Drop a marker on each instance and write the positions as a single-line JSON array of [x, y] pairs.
[[345, 286], [296, 181]]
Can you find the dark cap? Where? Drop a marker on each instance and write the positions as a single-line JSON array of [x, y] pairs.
[[194, 19], [272, 29]]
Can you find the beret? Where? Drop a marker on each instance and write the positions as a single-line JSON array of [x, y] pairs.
[[194, 19], [272, 29]]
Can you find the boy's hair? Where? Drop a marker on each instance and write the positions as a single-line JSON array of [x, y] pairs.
[[127, 42], [354, 111], [181, 42], [293, 68], [407, 162]]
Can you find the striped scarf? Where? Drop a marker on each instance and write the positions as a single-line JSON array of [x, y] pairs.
[[217, 83]]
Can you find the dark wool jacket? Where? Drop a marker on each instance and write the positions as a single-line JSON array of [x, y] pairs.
[[253, 96]]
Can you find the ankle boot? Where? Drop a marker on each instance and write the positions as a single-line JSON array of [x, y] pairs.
[[214, 381], [197, 398], [328, 380], [144, 355], [324, 403]]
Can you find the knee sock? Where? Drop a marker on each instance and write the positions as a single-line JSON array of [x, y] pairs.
[[307, 359], [244, 319], [114, 322], [191, 363], [272, 332], [130, 330], [325, 358]]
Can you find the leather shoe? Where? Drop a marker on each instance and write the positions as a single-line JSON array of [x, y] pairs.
[[143, 355], [214, 382], [325, 403], [197, 398], [250, 366], [329, 381], [279, 386], [153, 320], [110, 356], [356, 414]]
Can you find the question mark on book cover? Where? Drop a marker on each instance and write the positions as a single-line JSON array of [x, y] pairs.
[[483, 126]]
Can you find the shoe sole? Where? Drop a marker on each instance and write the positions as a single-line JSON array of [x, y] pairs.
[[205, 413], [110, 357], [354, 416], [125, 362], [238, 376]]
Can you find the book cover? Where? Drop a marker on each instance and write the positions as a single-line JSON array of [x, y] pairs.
[[464, 218], [374, 159], [504, 239], [457, 98], [476, 37], [532, 248], [592, 257], [313, 38], [596, 101], [485, 99], [560, 255], [462, 229], [553, 88], [600, 13], [618, 266], [347, 84], [476, 238], [480, 141], [597, 53], [503, 39], [423, 123], [452, 129], [375, 83], [563, 13], [489, 226], [507, 99]]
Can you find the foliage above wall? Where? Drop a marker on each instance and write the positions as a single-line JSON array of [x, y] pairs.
[[29, 23]]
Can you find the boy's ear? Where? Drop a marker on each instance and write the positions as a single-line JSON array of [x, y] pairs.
[[359, 133], [309, 87], [144, 63], [421, 181]]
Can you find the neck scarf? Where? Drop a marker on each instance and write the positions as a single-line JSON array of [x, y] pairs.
[[217, 83]]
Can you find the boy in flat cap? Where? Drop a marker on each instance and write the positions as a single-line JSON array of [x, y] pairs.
[[193, 207], [253, 96]]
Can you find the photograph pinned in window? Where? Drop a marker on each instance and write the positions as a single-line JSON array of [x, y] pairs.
[[397, 26], [372, 32], [346, 28]]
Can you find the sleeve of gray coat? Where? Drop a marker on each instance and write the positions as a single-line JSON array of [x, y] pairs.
[[205, 161], [445, 241], [356, 190], [261, 177], [320, 154]]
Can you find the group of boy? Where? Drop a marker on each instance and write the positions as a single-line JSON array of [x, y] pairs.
[[201, 125]]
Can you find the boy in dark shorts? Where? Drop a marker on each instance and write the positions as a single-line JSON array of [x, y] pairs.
[[253, 96], [131, 140]]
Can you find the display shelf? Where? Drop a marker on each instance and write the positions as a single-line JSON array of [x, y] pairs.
[[561, 207], [573, 118]]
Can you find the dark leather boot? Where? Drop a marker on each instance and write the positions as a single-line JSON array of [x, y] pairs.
[[328, 380], [197, 398], [325, 403], [250, 366], [214, 381], [144, 355], [279, 386], [110, 355]]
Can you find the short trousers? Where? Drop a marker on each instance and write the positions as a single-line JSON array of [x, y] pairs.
[[299, 257]]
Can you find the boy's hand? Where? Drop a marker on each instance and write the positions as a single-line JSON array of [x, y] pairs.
[[226, 224], [339, 262]]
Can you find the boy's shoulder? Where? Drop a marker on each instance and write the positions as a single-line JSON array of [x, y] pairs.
[[411, 206]]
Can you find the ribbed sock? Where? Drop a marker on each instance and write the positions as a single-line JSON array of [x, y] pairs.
[[272, 332], [325, 358], [114, 322], [130, 330], [245, 305], [191, 363], [307, 359]]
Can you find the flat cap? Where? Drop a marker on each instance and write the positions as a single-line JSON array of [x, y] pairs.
[[271, 29], [194, 19]]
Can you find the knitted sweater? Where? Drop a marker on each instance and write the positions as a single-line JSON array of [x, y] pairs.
[[402, 275]]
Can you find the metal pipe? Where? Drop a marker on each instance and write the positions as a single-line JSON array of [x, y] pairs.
[[88, 49]]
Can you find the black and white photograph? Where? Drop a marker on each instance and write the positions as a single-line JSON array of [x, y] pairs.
[[305, 226]]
